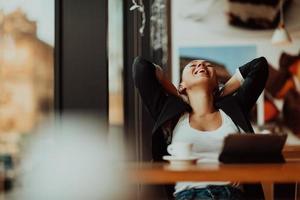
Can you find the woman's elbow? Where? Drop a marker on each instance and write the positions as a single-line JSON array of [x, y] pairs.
[[142, 70], [264, 66], [137, 68], [262, 61]]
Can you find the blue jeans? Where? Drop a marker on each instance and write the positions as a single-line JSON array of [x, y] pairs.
[[211, 192]]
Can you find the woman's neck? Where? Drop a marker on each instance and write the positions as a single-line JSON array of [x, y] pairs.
[[202, 102]]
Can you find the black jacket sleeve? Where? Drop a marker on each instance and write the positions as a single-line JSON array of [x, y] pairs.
[[149, 88], [255, 74]]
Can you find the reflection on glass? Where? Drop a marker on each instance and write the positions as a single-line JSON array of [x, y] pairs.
[[26, 74], [115, 46], [26, 67]]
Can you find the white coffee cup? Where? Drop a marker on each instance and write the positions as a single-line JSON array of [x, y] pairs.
[[180, 149]]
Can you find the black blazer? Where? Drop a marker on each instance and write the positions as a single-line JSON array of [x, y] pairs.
[[166, 109]]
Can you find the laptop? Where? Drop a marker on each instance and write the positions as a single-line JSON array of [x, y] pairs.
[[253, 148]]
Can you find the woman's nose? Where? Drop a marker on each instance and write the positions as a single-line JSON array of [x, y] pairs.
[[200, 65]]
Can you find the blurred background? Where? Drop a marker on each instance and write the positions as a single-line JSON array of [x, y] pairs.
[[26, 77], [233, 32], [73, 58]]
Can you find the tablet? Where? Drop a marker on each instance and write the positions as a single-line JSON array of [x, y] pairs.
[[253, 148]]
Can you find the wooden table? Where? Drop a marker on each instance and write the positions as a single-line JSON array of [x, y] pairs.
[[161, 173], [291, 152], [267, 174]]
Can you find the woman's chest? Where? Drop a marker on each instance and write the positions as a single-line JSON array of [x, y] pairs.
[[205, 123], [203, 141]]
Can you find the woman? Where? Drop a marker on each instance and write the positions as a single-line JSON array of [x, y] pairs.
[[205, 111]]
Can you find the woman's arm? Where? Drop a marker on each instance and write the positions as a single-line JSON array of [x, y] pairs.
[[168, 85], [233, 84], [149, 87], [165, 82], [248, 82]]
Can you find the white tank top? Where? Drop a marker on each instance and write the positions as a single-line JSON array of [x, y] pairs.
[[207, 145]]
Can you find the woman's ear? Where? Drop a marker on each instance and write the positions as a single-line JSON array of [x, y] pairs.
[[218, 91], [181, 88], [182, 92]]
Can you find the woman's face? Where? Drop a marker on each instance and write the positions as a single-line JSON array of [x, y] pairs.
[[199, 73]]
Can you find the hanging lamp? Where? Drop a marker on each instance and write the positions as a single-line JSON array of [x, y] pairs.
[[281, 35]]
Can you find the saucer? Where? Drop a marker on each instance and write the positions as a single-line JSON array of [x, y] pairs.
[[176, 160]]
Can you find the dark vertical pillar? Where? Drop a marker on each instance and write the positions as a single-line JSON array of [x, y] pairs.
[[81, 72], [57, 57], [138, 123], [169, 24], [132, 48]]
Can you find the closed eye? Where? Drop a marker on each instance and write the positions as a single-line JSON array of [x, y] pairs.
[[190, 65], [207, 64]]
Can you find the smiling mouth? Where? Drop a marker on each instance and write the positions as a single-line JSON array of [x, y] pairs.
[[200, 71]]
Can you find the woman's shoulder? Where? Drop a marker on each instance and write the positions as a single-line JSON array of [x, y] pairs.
[[231, 107], [183, 117], [224, 101]]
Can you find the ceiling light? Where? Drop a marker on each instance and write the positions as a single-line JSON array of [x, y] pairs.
[[281, 35]]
